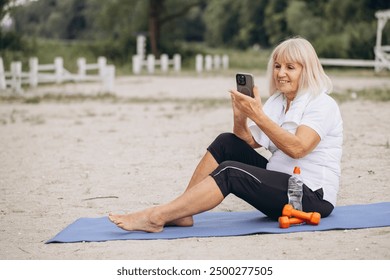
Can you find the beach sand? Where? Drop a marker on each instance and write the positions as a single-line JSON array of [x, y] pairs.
[[66, 159]]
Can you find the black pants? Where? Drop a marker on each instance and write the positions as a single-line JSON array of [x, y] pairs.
[[242, 172]]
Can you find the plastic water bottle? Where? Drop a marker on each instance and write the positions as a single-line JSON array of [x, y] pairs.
[[295, 189]]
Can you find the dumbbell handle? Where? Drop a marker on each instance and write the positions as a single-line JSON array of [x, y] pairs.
[[312, 217], [285, 222]]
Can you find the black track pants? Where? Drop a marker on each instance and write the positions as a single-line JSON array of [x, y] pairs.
[[242, 172]]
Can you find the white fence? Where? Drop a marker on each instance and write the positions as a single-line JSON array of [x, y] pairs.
[[151, 63], [202, 63], [377, 64], [55, 73], [209, 62], [347, 62], [141, 60]]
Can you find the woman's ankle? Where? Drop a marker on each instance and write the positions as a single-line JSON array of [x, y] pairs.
[[182, 222]]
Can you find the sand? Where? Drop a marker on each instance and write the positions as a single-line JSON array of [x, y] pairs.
[[66, 159]]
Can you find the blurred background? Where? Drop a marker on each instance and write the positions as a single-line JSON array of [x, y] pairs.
[[245, 30]]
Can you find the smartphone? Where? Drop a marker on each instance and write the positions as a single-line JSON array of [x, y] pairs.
[[245, 83]]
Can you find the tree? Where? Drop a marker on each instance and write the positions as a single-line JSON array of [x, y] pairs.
[[221, 26], [336, 28], [160, 15], [302, 21], [275, 21], [237, 24], [3, 8], [9, 40], [77, 23]]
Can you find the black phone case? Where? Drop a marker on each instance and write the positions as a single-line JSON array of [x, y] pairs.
[[246, 88]]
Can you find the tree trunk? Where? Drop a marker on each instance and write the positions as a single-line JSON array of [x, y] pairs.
[[155, 9]]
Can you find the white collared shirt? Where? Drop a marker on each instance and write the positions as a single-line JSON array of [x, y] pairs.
[[321, 168]]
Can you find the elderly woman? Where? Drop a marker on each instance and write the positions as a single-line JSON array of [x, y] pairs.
[[300, 124]]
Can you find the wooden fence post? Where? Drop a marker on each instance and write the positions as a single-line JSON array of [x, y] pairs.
[[141, 44], [108, 79], [33, 65], [102, 64], [59, 69], [177, 62], [208, 62], [151, 63], [137, 64], [82, 67], [164, 62], [199, 63], [3, 84], [225, 61], [217, 62], [16, 79]]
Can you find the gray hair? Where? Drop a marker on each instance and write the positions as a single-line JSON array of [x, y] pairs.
[[299, 50]]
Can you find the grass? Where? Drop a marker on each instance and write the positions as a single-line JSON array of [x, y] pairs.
[[68, 50], [249, 59], [372, 94], [46, 50]]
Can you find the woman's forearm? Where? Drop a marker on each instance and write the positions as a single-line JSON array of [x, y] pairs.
[[294, 145], [241, 130]]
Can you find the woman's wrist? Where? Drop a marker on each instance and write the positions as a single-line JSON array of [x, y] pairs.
[[259, 117], [240, 119]]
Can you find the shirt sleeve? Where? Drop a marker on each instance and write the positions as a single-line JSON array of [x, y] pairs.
[[320, 115], [260, 137]]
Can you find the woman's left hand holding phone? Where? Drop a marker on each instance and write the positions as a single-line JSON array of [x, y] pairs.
[[245, 106]]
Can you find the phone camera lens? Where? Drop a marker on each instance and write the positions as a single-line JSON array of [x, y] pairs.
[[241, 79]]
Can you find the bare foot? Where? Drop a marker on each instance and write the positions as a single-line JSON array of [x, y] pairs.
[[144, 221], [182, 222]]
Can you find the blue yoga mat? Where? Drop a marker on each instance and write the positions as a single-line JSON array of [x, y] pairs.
[[214, 224]]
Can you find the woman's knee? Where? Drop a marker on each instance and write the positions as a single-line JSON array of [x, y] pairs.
[[221, 146], [226, 142], [226, 138]]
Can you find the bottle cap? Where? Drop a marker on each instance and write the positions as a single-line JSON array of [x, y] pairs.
[[297, 170]]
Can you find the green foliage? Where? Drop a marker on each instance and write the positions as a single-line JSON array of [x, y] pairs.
[[334, 45], [14, 47], [301, 20], [361, 40], [180, 21], [220, 26], [3, 8], [47, 50], [337, 29], [275, 21], [241, 27]]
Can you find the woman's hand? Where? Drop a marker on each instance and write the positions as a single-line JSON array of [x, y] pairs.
[[245, 106], [239, 117], [242, 105]]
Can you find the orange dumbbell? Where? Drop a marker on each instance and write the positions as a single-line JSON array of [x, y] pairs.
[[312, 217], [285, 222]]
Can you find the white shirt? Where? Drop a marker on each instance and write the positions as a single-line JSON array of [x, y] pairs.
[[320, 168]]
